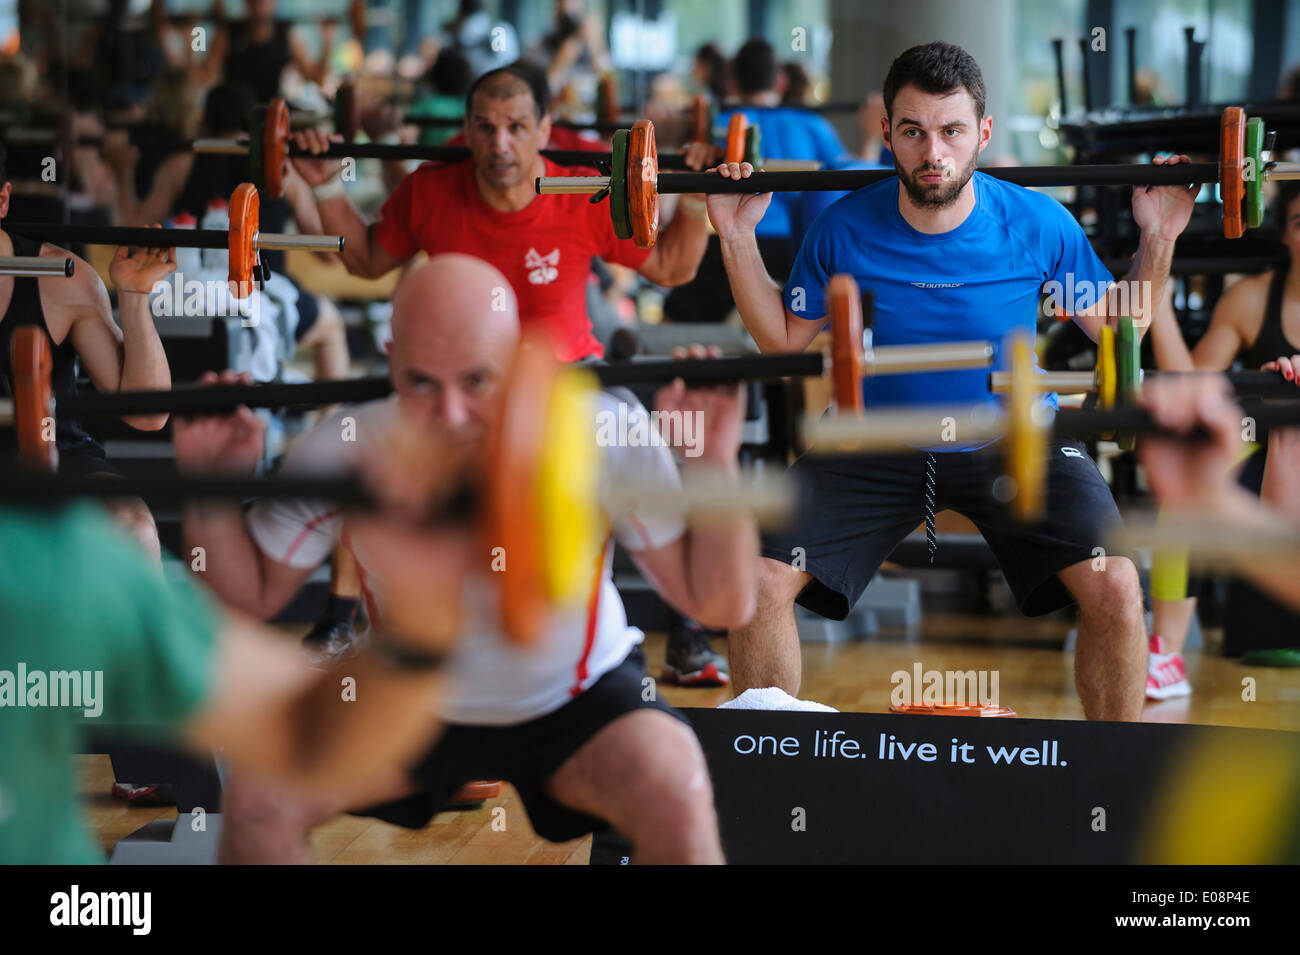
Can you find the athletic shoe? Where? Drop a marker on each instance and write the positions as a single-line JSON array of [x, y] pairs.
[[1166, 675], [690, 659], [155, 794], [474, 794]]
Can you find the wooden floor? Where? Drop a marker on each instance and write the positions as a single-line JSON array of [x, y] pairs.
[[1035, 679]]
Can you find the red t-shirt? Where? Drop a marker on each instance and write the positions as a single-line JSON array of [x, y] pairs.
[[544, 249]]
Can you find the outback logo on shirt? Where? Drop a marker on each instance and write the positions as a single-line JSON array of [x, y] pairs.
[[542, 268], [937, 284]]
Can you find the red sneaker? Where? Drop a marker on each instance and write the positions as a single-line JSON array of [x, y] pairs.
[[1166, 675]]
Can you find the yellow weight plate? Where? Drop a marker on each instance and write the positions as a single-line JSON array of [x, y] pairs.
[[1026, 439], [1106, 373], [567, 487]]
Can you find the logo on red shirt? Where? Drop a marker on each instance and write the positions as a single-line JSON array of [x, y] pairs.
[[542, 268]]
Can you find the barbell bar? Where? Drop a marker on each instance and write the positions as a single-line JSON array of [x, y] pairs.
[[1240, 176], [37, 266], [243, 240]]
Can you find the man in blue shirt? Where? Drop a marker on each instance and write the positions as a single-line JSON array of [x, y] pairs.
[[950, 254], [786, 131]]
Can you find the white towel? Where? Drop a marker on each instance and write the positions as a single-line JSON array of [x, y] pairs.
[[773, 698]]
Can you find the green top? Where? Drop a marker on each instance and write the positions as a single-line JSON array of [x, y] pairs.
[[443, 107], [78, 599]]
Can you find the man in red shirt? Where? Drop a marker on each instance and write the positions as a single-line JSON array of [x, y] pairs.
[[486, 207]]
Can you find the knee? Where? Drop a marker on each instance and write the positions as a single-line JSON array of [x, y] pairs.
[[1113, 589], [681, 798], [778, 583]]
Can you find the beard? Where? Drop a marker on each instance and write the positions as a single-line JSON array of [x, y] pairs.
[[938, 195]]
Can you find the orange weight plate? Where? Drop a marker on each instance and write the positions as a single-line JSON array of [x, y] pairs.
[[29, 356], [736, 129], [275, 147], [844, 303], [953, 709], [1232, 156], [244, 206], [513, 501], [701, 121], [642, 189]]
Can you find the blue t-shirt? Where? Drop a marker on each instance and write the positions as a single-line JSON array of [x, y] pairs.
[[976, 282], [788, 133]]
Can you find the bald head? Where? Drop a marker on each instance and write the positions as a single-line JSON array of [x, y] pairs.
[[455, 327]]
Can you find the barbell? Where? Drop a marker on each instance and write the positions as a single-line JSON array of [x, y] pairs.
[[1023, 425], [537, 497], [846, 362], [243, 240], [268, 150], [1240, 173]]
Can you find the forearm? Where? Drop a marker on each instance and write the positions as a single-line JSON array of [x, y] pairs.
[[1167, 343], [682, 243], [222, 552], [144, 360], [1281, 485], [758, 298], [332, 739], [338, 216], [125, 201], [1146, 280], [721, 561]]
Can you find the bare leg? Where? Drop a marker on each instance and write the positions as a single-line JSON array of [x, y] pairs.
[[765, 652], [1172, 619], [1110, 660], [645, 775]]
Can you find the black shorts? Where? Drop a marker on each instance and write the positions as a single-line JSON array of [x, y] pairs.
[[524, 754], [308, 311], [859, 509], [82, 456]]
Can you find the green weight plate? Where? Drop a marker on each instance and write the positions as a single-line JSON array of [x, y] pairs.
[[753, 146], [256, 128], [1128, 363], [1253, 207], [1271, 658], [619, 210]]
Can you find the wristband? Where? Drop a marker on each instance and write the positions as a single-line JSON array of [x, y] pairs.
[[328, 190]]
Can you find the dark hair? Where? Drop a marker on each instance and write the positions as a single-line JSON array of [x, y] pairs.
[[498, 84], [935, 68], [451, 73], [4, 164], [226, 108], [798, 86], [1288, 191], [715, 68], [754, 67]]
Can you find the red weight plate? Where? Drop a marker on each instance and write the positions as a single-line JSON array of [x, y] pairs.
[[736, 129], [844, 305], [701, 122], [642, 183], [29, 356], [1232, 156], [244, 208], [275, 147], [347, 111]]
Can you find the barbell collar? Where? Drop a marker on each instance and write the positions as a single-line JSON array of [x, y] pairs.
[[572, 185], [37, 265], [312, 243], [909, 429], [902, 359]]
